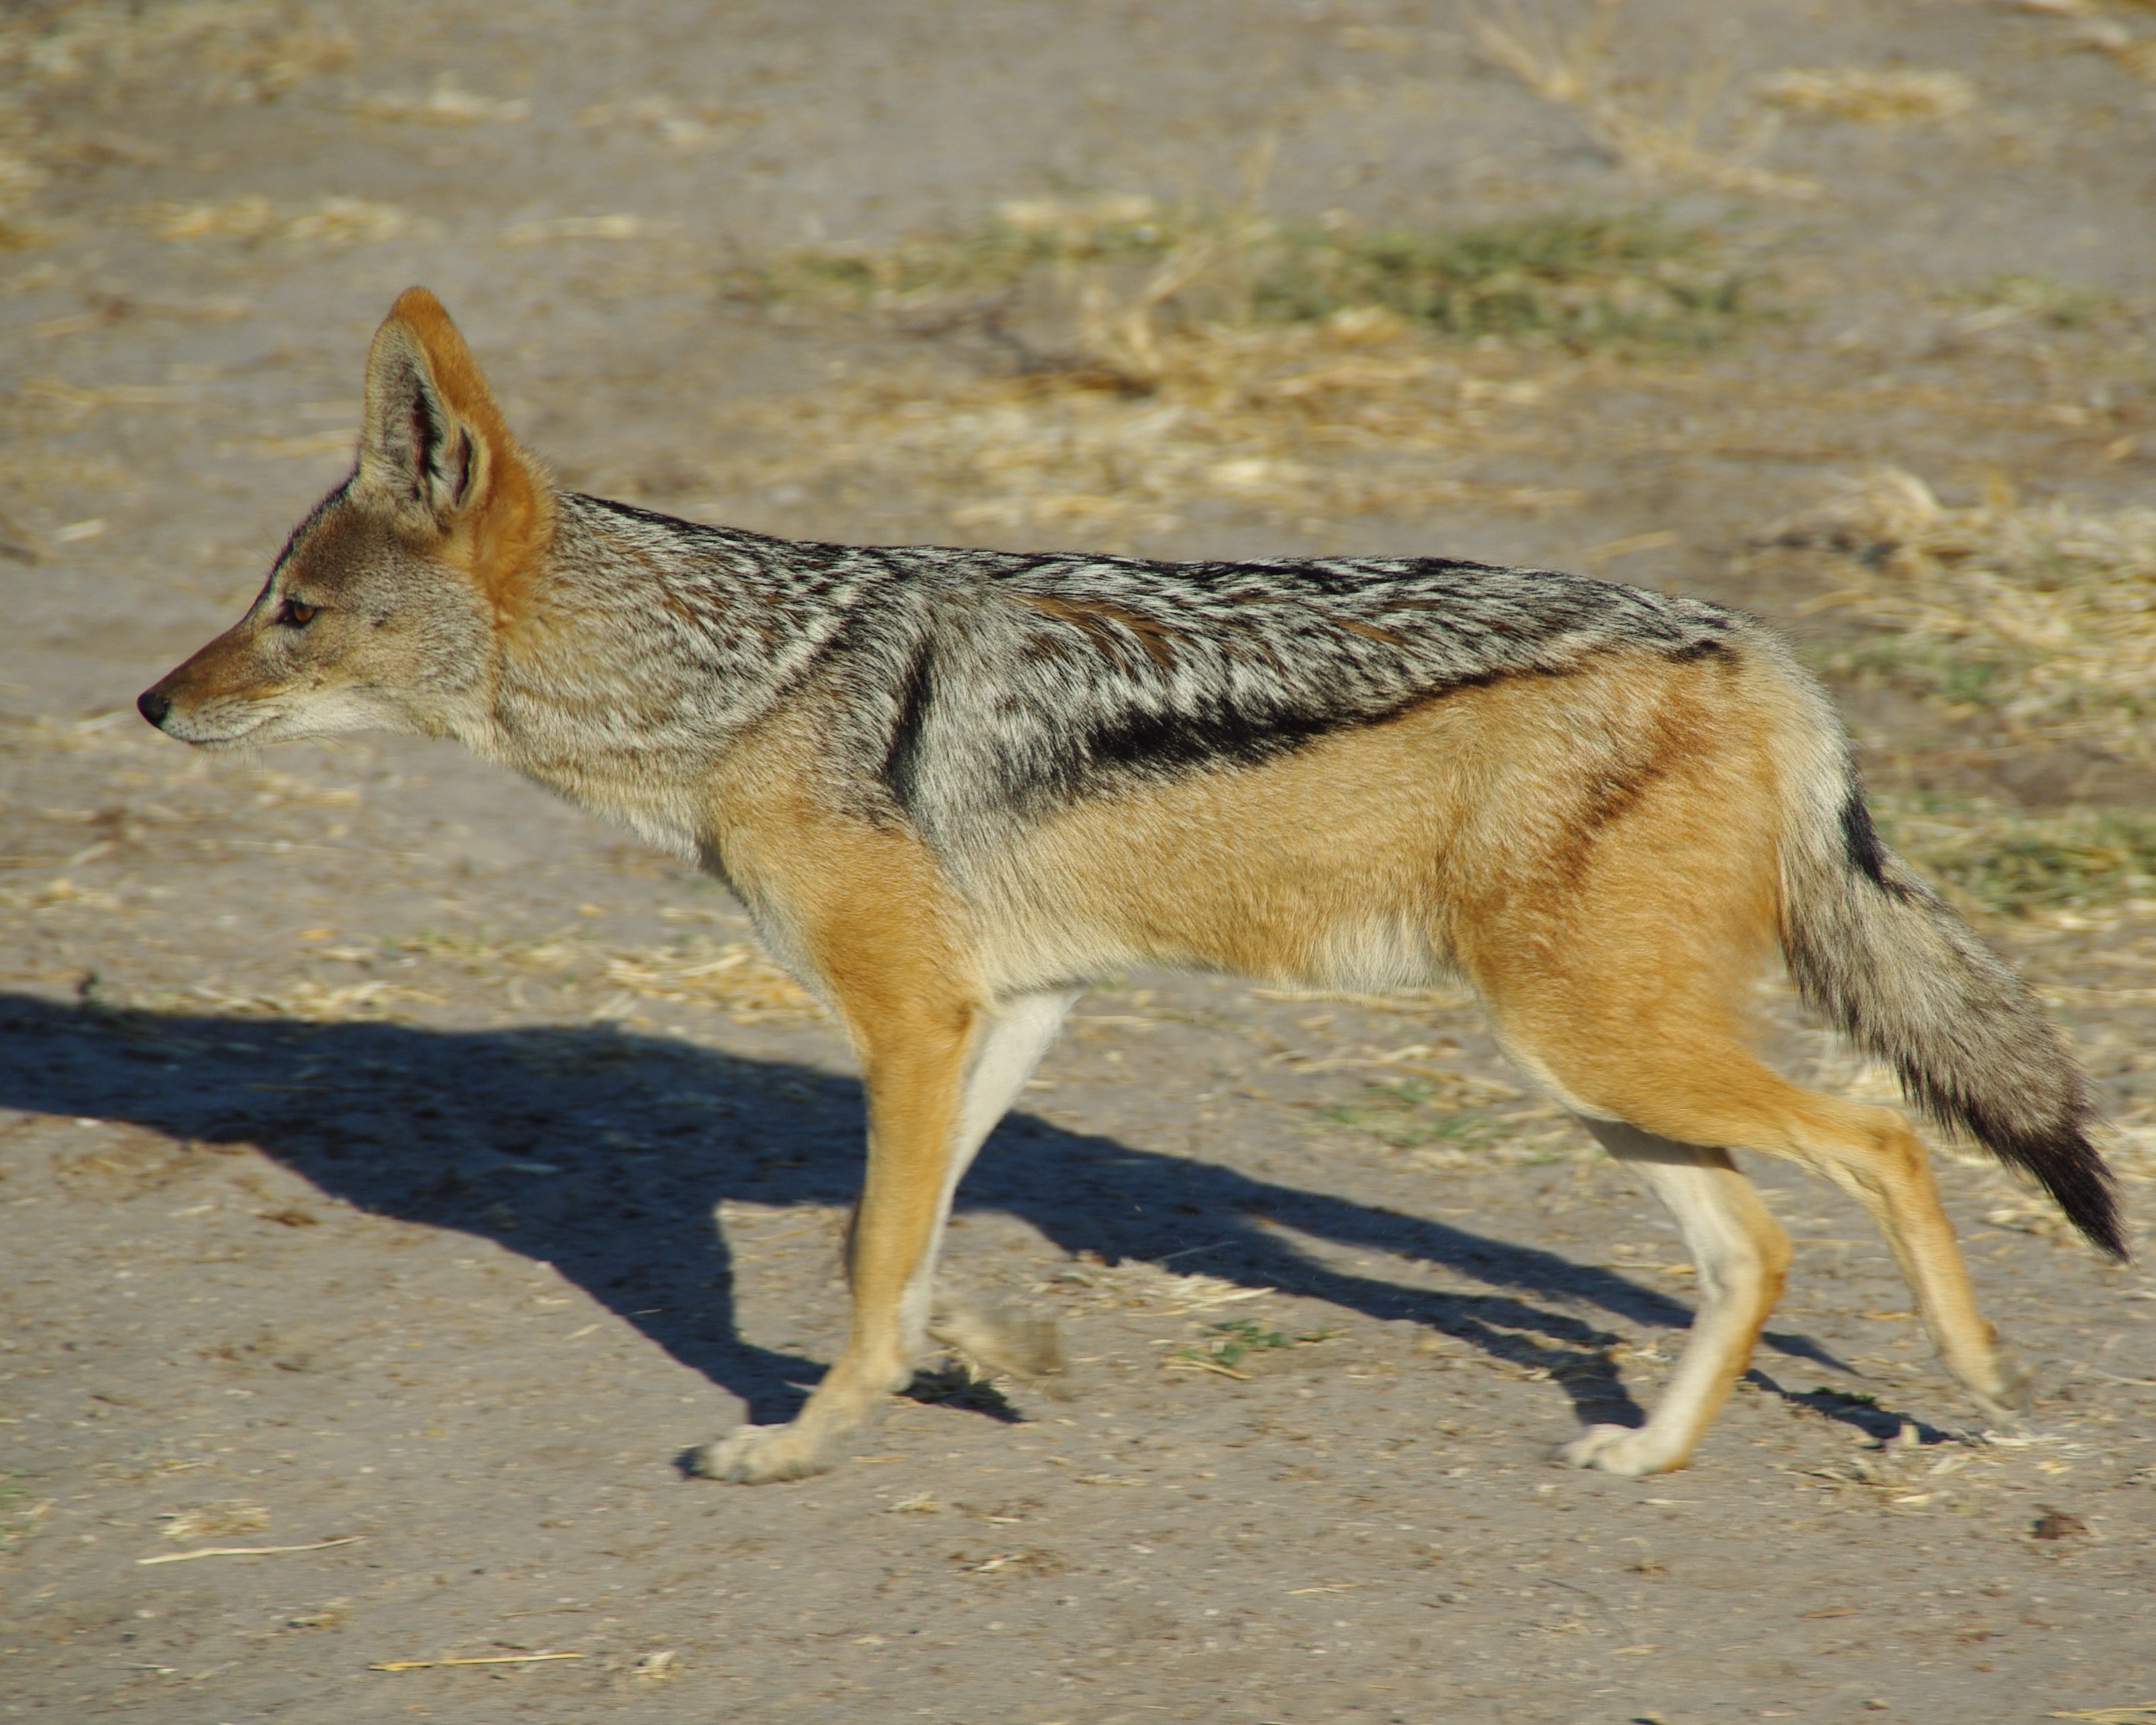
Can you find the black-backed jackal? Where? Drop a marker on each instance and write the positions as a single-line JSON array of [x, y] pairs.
[[953, 786]]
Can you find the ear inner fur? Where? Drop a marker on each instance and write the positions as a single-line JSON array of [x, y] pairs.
[[501, 515]]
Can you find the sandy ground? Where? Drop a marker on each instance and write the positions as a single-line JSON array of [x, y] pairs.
[[399, 1172]]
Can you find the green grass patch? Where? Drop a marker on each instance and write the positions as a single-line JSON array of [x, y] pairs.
[[996, 255], [1412, 1114], [1238, 1338], [1569, 278], [2012, 863], [1935, 670], [1566, 278]]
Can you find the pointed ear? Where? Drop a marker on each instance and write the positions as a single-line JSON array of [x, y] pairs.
[[433, 441]]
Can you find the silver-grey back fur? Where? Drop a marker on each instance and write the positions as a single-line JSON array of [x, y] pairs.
[[974, 688]]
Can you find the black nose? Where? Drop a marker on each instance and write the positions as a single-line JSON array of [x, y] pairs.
[[153, 706]]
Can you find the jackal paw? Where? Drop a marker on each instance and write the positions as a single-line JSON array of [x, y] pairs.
[[759, 1455], [1626, 1449], [2012, 1387]]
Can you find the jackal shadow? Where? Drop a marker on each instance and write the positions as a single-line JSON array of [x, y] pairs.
[[607, 1155]]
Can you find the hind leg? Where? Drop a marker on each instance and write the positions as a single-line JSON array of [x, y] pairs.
[[1700, 1085], [1618, 947], [1874, 1156], [1742, 1256]]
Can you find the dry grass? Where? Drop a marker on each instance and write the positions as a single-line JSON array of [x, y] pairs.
[[56, 894], [995, 255], [1162, 361], [616, 225], [2041, 617], [2042, 614], [212, 1521], [20, 180], [228, 50], [1137, 1285], [20, 1513], [1415, 1114], [312, 1003], [220, 51], [252, 219], [2136, 54], [596, 983], [2015, 298], [697, 128], [1305, 427], [1665, 132], [447, 103], [1872, 95], [2090, 27], [732, 977]]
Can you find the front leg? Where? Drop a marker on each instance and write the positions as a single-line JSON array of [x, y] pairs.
[[914, 1057], [866, 906]]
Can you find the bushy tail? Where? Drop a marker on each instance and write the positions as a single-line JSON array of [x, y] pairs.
[[1876, 950]]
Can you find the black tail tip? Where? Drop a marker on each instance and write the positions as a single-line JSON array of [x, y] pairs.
[[2060, 1159], [2074, 1174], [2107, 1235]]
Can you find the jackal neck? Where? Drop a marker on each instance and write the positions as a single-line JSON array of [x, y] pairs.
[[647, 645]]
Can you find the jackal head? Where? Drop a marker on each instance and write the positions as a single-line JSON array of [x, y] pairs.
[[385, 610]]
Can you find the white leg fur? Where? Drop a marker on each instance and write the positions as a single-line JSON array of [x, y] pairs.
[[1011, 1046], [1742, 1256]]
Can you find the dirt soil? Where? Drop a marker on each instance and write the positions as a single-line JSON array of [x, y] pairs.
[[400, 1171]]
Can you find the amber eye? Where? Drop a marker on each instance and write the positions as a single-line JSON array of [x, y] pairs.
[[294, 615]]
